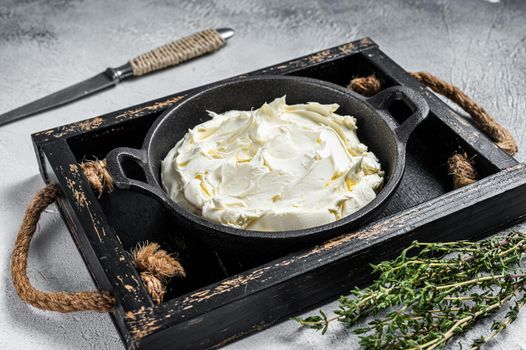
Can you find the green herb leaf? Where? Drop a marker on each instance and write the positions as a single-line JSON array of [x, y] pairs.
[[433, 292]]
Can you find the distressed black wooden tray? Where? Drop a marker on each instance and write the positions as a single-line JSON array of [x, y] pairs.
[[225, 298]]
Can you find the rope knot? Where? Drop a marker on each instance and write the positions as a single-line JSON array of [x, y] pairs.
[[156, 266], [461, 168], [97, 174], [367, 86]]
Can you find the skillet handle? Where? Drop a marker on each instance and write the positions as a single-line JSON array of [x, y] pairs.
[[115, 160], [411, 98]]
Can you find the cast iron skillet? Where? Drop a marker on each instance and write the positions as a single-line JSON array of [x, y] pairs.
[[376, 128]]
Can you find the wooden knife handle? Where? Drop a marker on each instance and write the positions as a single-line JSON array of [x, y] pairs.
[[177, 51]]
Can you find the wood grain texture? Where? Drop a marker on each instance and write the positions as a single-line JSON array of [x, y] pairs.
[[46, 45], [216, 289]]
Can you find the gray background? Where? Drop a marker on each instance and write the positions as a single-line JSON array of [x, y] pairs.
[[46, 45]]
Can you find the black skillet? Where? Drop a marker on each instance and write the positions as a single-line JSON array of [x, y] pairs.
[[376, 128]]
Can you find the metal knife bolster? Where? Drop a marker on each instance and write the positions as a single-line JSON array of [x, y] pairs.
[[119, 73]]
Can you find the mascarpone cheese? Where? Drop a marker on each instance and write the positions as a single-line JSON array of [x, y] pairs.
[[280, 167]]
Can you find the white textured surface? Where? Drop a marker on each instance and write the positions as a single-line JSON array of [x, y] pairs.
[[48, 44]]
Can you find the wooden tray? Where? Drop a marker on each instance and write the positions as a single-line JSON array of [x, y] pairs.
[[225, 298]]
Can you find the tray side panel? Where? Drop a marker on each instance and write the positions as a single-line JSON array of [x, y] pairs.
[[290, 285], [109, 266]]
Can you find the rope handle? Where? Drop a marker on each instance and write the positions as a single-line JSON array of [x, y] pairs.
[[461, 168], [177, 51], [154, 264], [489, 125], [52, 301]]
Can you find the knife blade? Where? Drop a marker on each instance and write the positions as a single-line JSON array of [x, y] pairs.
[[170, 54]]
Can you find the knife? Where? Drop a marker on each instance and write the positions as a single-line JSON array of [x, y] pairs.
[[170, 54]]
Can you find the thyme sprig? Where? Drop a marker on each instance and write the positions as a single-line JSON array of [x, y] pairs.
[[434, 291]]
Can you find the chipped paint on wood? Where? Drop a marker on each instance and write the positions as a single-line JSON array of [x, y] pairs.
[[133, 113], [319, 57], [142, 323], [82, 126], [346, 49], [99, 121], [366, 41], [72, 178], [224, 287]]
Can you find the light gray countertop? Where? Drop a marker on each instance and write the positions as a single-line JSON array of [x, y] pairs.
[[46, 45]]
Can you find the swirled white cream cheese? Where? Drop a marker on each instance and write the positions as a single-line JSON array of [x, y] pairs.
[[279, 167]]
